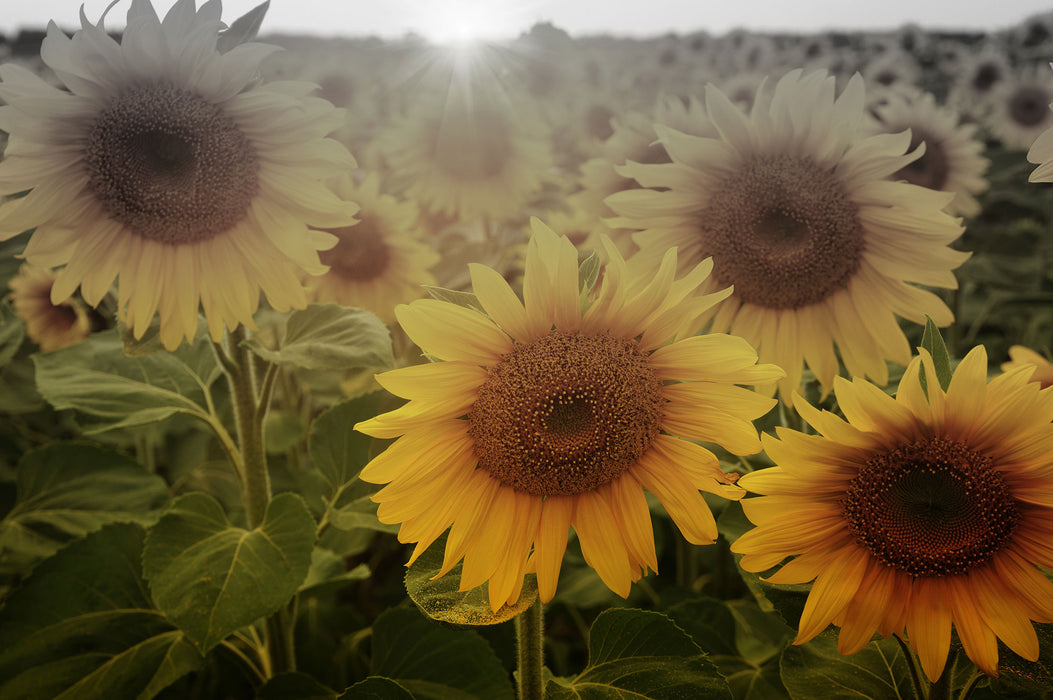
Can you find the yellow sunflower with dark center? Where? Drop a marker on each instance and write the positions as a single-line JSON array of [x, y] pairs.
[[1020, 356], [557, 412], [794, 203], [921, 512], [167, 165], [379, 261]]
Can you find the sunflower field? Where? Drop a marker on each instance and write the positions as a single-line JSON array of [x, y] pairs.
[[698, 366]]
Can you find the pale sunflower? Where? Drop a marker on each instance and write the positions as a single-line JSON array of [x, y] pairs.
[[919, 512], [51, 325], [1020, 356], [794, 204], [166, 164], [1041, 153], [378, 262], [551, 414], [467, 161], [1020, 114], [953, 157]]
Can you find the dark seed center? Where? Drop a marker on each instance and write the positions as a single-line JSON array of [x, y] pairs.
[[361, 253]]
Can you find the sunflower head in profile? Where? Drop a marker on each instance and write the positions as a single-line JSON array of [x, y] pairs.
[[50, 325], [164, 163], [379, 261], [794, 203], [1020, 356], [1041, 153], [921, 512], [558, 411]]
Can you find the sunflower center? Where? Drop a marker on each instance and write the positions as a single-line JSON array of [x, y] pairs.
[[473, 146], [932, 169], [931, 508], [566, 413], [1029, 106], [170, 166], [986, 76], [783, 231], [361, 253]]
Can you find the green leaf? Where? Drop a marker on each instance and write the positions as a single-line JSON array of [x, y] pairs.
[[66, 490], [243, 29], [932, 341], [748, 681], [294, 686], [588, 273], [465, 299], [816, 670], [431, 661], [330, 336], [441, 600], [360, 512], [12, 332], [328, 573], [211, 578], [638, 653], [377, 688], [81, 627], [336, 448], [95, 378]]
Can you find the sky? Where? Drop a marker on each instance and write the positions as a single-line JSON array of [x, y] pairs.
[[446, 20]]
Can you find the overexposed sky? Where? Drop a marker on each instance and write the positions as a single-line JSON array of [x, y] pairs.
[[498, 19]]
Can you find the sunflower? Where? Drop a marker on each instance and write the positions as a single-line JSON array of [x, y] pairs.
[[952, 160], [466, 160], [554, 413], [378, 262], [50, 325], [1041, 153], [165, 164], [920, 512], [793, 203], [1020, 113], [1020, 356]]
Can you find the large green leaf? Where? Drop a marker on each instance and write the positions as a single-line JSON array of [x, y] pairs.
[[440, 599], [212, 578], [816, 670], [377, 688], [82, 627], [328, 573], [114, 391], [432, 661], [66, 490], [638, 653], [330, 336], [337, 449]]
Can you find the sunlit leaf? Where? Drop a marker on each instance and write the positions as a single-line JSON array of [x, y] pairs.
[[330, 336], [453, 296], [440, 598], [113, 391], [212, 578]]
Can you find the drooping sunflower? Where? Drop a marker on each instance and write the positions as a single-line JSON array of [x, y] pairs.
[[164, 164], [49, 324], [378, 262], [919, 512], [794, 204], [549, 414]]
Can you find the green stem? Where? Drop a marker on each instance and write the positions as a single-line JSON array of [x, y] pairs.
[[530, 640], [971, 686], [248, 415], [280, 642], [912, 665]]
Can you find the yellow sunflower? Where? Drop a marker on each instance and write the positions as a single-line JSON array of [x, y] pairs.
[[920, 512], [794, 204], [49, 324], [166, 164], [1020, 356], [554, 413], [378, 262]]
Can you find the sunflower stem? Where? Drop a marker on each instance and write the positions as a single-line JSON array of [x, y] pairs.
[[530, 641], [912, 665], [249, 414]]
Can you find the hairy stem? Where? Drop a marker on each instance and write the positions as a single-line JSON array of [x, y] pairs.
[[530, 641]]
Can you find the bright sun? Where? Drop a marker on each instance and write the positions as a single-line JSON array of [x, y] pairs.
[[465, 21]]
